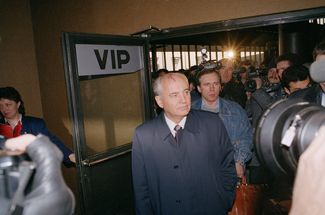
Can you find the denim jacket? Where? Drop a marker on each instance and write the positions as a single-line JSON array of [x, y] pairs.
[[237, 125]]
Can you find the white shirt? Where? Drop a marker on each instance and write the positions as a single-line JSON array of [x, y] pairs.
[[16, 123], [171, 124]]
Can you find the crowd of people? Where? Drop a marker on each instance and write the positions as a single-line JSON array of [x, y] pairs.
[[173, 173]]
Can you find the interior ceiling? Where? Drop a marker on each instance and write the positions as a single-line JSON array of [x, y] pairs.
[[258, 36]]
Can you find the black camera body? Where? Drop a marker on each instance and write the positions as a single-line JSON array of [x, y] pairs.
[[211, 64], [10, 173], [256, 72], [252, 72]]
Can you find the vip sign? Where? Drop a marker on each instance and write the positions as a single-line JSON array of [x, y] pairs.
[[108, 59]]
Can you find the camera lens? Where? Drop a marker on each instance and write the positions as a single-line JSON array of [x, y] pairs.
[[281, 159]]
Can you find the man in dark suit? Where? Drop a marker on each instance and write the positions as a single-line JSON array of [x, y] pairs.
[[187, 171]]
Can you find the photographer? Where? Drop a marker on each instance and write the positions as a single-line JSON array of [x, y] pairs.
[[265, 83], [261, 96], [266, 93], [316, 93], [40, 191], [268, 81], [294, 79]]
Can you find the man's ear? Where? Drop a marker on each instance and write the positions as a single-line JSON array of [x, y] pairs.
[[159, 101]]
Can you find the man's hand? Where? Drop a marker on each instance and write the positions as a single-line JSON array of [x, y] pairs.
[[19, 143], [72, 158], [240, 169], [273, 76], [258, 82], [309, 187]]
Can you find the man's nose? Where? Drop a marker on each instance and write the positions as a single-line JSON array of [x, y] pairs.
[[182, 97]]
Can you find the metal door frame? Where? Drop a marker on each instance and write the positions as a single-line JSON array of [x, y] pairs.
[[68, 41], [236, 24]]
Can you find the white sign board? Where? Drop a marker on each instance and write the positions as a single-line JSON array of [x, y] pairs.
[[108, 59]]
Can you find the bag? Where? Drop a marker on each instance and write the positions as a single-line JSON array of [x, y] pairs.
[[248, 200]]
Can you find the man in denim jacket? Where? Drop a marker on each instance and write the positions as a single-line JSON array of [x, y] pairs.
[[233, 116]]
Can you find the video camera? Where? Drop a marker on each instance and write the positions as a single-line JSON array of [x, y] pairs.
[[284, 132], [208, 64], [211, 64], [252, 72]]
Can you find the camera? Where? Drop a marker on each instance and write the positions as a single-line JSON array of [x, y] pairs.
[[9, 175], [284, 132], [10, 170], [252, 72], [208, 64], [211, 64]]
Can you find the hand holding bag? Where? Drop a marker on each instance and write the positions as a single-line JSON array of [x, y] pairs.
[[248, 200]]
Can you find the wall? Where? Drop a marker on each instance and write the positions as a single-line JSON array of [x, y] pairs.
[[50, 18], [18, 66]]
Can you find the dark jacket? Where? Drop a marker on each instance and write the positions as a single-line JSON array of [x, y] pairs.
[[194, 176], [234, 91], [311, 94], [264, 99]]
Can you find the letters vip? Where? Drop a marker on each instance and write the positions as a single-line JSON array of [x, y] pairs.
[[118, 58]]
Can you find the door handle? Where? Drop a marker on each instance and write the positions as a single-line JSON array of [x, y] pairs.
[[92, 162]]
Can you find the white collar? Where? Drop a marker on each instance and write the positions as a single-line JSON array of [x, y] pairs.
[[13, 126], [171, 124]]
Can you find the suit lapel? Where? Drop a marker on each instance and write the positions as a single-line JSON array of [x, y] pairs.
[[162, 127], [191, 124]]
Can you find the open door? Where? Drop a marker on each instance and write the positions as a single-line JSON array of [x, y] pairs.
[[108, 90]]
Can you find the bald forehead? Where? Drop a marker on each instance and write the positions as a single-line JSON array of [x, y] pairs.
[[173, 77]]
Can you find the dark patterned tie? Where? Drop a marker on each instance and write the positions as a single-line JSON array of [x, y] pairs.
[[177, 129]]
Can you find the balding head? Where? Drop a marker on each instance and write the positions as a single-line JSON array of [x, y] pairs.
[[173, 95], [157, 85]]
